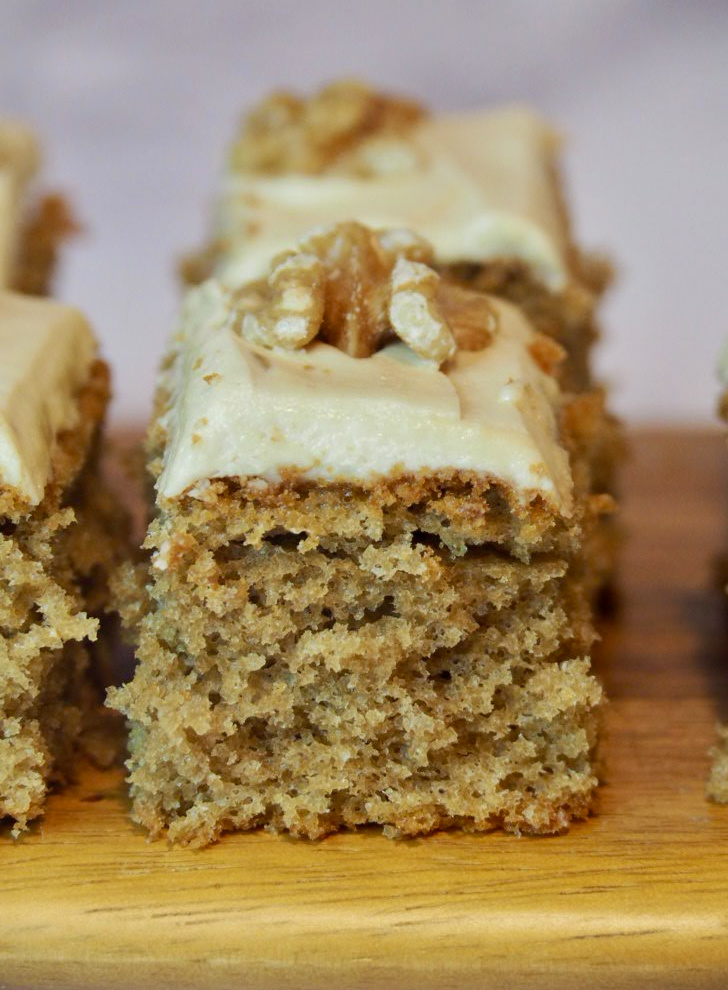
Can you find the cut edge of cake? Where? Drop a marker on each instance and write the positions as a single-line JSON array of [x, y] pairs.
[[61, 535]]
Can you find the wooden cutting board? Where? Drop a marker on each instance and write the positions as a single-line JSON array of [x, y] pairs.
[[636, 896]]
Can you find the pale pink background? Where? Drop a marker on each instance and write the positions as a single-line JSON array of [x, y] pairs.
[[138, 99]]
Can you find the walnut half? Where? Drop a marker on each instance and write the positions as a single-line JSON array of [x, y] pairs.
[[356, 288], [286, 133], [288, 310], [415, 313]]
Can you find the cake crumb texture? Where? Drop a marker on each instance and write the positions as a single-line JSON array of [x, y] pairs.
[[412, 655], [54, 563]]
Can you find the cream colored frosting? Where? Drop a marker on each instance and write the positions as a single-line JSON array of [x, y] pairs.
[[477, 186], [239, 410], [19, 159], [46, 350]]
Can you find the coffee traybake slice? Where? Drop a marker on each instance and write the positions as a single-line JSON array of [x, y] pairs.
[[31, 227], [57, 542], [483, 187], [366, 599]]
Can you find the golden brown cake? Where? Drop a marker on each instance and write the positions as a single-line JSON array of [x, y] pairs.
[[483, 187], [58, 541], [31, 226], [366, 599]]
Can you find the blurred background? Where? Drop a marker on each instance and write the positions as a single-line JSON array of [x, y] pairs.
[[137, 100]]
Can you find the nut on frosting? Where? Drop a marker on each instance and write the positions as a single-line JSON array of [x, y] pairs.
[[332, 129], [358, 288], [230, 408], [287, 308], [478, 186]]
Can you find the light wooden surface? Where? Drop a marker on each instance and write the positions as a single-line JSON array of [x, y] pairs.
[[637, 896]]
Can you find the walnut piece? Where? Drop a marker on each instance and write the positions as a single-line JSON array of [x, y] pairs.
[[287, 309], [469, 315], [355, 288], [397, 242], [547, 353], [357, 274], [288, 134], [415, 314]]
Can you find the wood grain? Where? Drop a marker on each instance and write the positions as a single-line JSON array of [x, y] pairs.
[[637, 896]]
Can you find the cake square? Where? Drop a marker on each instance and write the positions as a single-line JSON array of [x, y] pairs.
[[483, 187], [59, 538], [367, 593]]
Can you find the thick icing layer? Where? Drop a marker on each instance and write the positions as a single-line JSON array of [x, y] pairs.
[[46, 351], [18, 163], [477, 186], [238, 410]]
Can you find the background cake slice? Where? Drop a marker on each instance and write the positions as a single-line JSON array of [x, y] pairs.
[[367, 597], [58, 540], [31, 226]]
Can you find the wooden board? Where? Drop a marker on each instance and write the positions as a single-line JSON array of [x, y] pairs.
[[636, 896]]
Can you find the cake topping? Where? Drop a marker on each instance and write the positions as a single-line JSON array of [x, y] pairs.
[[47, 350], [289, 134], [235, 409], [477, 186], [354, 288], [18, 162], [18, 149], [415, 312], [286, 309]]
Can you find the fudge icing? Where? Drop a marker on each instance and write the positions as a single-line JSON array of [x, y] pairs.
[[234, 409], [46, 350], [477, 186]]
